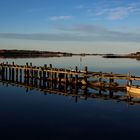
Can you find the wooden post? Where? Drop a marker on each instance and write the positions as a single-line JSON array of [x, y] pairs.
[[111, 80], [40, 77], [36, 77], [100, 78], [51, 73], [70, 75], [6, 70], [59, 76], [66, 76], [27, 74], [24, 72], [9, 73], [13, 72], [20, 75], [27, 70], [31, 74], [85, 77], [3, 71], [76, 75], [44, 75], [55, 75], [16, 74]]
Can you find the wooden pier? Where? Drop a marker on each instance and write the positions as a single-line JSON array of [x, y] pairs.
[[33, 74], [76, 92], [68, 82]]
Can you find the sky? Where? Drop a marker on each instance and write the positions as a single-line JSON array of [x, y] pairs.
[[91, 26]]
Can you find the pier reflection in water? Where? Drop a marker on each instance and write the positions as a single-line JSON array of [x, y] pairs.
[[73, 90]]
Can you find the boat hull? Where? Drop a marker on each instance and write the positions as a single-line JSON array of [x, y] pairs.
[[133, 89]]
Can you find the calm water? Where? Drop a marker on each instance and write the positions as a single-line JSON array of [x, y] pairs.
[[35, 115]]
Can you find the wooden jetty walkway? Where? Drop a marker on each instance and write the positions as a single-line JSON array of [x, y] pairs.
[[30, 73]]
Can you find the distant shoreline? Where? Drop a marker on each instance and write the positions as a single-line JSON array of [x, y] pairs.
[[131, 55], [30, 54], [35, 54]]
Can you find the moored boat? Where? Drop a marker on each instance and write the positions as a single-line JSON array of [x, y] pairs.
[[133, 89]]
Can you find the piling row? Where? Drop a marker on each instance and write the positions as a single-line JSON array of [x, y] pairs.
[[46, 73], [30, 74]]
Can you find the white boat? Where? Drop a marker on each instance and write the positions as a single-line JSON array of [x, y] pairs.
[[133, 89]]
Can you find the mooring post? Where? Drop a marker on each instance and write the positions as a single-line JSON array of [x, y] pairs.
[[40, 76], [85, 77], [20, 75], [16, 73], [3, 71], [55, 75], [27, 70], [9, 72], [13, 72], [100, 78], [6, 70], [36, 76], [111, 80], [27, 73], [44, 75], [76, 75], [48, 73], [51, 72], [31, 73], [70, 75], [59, 76], [66, 76]]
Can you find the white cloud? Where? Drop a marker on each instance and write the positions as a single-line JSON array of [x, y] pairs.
[[115, 13], [119, 12], [60, 17]]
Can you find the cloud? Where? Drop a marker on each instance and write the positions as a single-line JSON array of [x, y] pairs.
[[60, 17], [80, 32], [85, 28], [119, 12], [99, 33], [115, 13]]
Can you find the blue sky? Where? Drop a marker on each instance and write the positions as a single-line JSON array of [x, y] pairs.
[[83, 25]]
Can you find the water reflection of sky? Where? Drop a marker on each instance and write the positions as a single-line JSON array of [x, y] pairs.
[[94, 63]]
